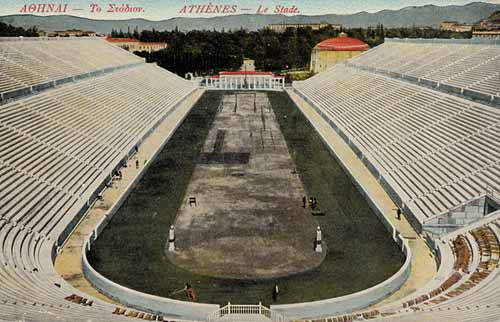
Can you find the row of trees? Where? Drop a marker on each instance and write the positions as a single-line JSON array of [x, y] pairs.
[[7, 30], [205, 52]]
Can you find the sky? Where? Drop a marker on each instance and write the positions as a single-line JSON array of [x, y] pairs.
[[164, 9]]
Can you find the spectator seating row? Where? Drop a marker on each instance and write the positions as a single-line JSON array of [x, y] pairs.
[[57, 149], [432, 151], [463, 296], [469, 68], [32, 64], [138, 315], [462, 254]]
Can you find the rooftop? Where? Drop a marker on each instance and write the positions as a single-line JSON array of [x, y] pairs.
[[121, 39], [343, 43]]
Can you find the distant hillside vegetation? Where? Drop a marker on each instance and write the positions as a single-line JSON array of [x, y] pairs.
[[7, 30]]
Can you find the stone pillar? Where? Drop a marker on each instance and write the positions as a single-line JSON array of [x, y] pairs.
[[318, 248], [171, 239]]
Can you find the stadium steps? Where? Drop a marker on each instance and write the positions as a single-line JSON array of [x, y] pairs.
[[436, 148], [465, 69], [58, 147], [29, 65]]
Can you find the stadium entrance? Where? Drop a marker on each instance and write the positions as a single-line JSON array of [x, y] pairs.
[[245, 80]]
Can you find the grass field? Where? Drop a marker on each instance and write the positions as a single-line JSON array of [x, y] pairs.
[[131, 249]]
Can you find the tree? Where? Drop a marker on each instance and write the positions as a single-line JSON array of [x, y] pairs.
[[7, 30]]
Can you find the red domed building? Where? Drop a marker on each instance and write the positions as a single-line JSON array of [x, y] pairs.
[[335, 50]]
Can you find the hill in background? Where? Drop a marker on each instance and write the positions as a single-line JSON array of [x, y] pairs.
[[490, 23], [423, 16]]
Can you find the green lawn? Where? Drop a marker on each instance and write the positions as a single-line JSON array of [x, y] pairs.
[[130, 251]]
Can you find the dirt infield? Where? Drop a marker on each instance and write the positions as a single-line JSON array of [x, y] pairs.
[[248, 221]]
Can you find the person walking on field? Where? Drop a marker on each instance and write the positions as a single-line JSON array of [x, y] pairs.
[[304, 202], [275, 292], [137, 164]]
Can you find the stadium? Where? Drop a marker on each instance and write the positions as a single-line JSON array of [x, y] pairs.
[[370, 191]]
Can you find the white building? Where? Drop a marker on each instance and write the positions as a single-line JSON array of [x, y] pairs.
[[132, 45]]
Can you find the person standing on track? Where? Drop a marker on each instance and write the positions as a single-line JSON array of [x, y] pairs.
[[276, 291], [190, 292]]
